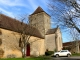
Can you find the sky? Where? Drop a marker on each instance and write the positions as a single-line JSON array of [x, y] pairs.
[[14, 8], [18, 7]]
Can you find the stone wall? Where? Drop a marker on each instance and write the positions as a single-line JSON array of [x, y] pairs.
[[37, 20], [10, 44], [50, 42], [47, 22], [58, 40], [37, 46], [41, 21]]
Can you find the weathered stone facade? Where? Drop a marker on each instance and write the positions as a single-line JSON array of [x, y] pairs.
[[58, 39], [41, 20], [10, 44], [42, 38], [50, 42], [54, 41]]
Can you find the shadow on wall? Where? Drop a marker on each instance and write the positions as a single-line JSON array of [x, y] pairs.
[[1, 52], [0, 32]]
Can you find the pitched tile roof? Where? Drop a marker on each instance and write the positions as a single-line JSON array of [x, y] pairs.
[[51, 31], [17, 26], [39, 10], [69, 43]]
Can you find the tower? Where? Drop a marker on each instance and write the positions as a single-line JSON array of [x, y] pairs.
[[40, 20]]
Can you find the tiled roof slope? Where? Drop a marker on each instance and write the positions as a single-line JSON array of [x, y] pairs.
[[51, 31], [39, 10], [15, 25], [70, 43], [67, 44]]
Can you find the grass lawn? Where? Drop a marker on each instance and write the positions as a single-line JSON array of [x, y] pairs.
[[35, 58], [76, 54]]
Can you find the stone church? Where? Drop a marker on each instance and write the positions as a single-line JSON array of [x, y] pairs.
[[43, 38]]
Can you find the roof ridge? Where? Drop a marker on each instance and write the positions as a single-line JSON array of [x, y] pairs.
[[38, 10]]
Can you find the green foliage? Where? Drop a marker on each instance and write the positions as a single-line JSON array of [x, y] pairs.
[[31, 58], [55, 50], [76, 54], [47, 53]]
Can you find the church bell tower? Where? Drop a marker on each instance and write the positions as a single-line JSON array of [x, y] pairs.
[[40, 20]]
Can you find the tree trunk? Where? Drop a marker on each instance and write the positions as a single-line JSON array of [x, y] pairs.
[[24, 53], [77, 47]]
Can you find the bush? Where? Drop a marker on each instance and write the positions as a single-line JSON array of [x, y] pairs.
[[47, 53]]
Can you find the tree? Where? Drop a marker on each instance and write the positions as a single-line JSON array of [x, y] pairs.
[[26, 30], [66, 13], [72, 3], [75, 40]]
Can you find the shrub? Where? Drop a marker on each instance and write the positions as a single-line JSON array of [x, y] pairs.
[[47, 53]]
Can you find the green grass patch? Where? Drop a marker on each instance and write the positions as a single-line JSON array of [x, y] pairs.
[[31, 58], [76, 54]]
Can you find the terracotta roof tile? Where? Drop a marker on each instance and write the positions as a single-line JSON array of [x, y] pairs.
[[39, 10], [15, 25], [51, 31], [68, 43]]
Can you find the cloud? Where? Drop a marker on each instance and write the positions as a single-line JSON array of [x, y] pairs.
[[78, 1], [52, 22], [33, 4], [12, 3], [6, 12], [15, 7], [45, 2], [8, 7]]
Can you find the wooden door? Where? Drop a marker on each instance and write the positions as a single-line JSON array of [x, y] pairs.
[[28, 50]]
